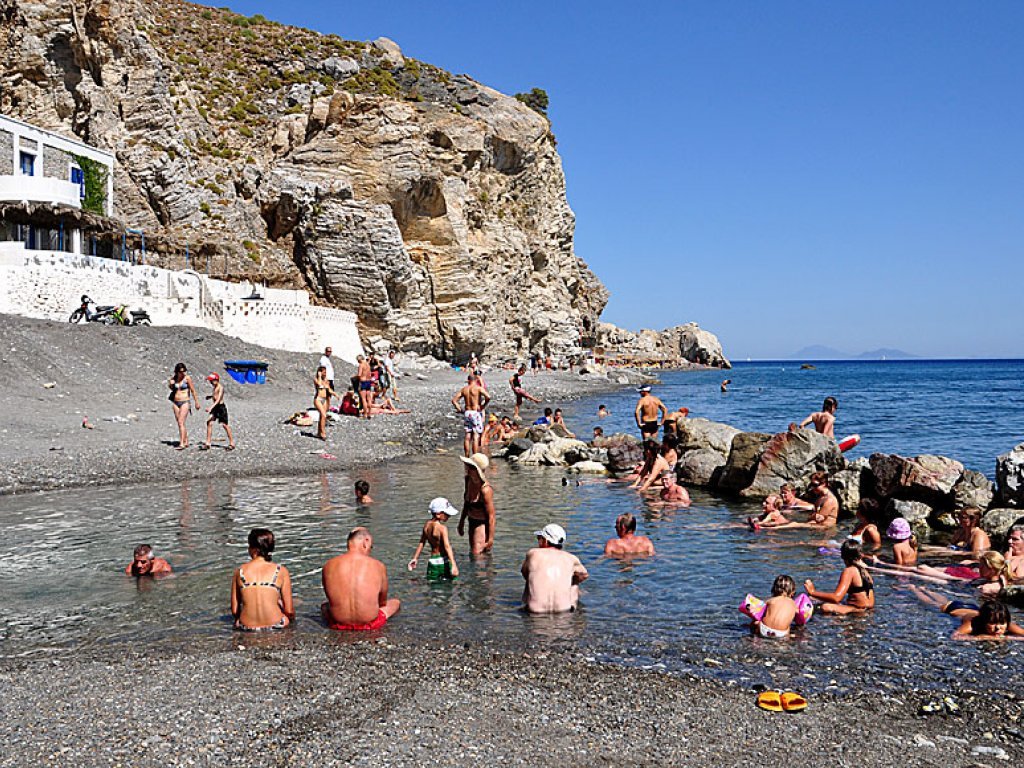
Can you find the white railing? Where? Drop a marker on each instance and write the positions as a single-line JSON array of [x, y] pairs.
[[39, 189]]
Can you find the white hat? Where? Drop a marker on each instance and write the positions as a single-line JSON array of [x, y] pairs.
[[644, 388], [441, 505], [479, 462], [553, 533]]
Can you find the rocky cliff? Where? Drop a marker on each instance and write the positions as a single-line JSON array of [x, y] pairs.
[[432, 206]]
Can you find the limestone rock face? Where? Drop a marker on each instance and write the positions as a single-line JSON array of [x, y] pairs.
[[430, 205], [688, 343], [1010, 477], [788, 457], [926, 478]]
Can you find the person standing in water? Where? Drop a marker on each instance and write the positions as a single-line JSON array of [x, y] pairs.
[[552, 575], [474, 398], [626, 543], [649, 413], [516, 382], [824, 420], [183, 391], [441, 564], [478, 505]]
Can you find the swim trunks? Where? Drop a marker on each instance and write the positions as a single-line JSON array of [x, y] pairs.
[[473, 421], [380, 621], [439, 568], [220, 413], [958, 605], [768, 632], [366, 386], [649, 428]]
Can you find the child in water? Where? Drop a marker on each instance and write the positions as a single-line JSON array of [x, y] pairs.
[[780, 610], [855, 585], [441, 564], [904, 544]]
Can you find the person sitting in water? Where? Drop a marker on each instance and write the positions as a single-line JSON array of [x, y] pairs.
[[1015, 552], [665, 461], [855, 585], [626, 543], [789, 499], [508, 429], [990, 576], [989, 621], [492, 432], [865, 531], [904, 544], [552, 575], [779, 610], [356, 586], [602, 411], [671, 491], [546, 420], [261, 594], [362, 489], [771, 514], [559, 421], [441, 564], [826, 507], [651, 455], [145, 564]]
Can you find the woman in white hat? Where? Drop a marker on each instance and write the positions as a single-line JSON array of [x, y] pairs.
[[477, 505]]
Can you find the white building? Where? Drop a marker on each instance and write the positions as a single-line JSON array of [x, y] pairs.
[[40, 170]]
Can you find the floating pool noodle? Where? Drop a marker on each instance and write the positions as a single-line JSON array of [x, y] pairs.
[[849, 442]]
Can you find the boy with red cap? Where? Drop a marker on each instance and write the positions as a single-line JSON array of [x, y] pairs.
[[218, 412]]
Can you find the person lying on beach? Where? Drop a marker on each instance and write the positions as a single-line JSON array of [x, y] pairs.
[[261, 594], [356, 586], [904, 544], [552, 575], [362, 489], [855, 585], [626, 542], [671, 491], [384, 407], [989, 621], [516, 382], [865, 531], [1015, 552], [144, 564], [441, 564], [218, 412], [779, 610], [824, 420]]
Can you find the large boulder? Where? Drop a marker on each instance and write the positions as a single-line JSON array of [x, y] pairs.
[[537, 455], [586, 453], [846, 484], [1010, 477], [788, 457], [973, 489], [915, 512], [559, 448], [590, 467], [700, 434], [623, 456], [997, 522], [926, 478], [701, 467], [517, 446], [741, 466]]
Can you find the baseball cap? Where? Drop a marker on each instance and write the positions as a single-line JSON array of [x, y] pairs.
[[553, 533], [213, 377], [442, 505], [644, 388]]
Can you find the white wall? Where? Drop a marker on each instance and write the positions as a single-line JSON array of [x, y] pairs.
[[48, 285]]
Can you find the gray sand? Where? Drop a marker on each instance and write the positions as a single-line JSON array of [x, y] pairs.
[[299, 700]]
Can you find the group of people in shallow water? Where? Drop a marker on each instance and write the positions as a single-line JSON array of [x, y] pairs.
[[356, 584]]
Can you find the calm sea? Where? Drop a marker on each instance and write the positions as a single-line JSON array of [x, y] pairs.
[[63, 552]]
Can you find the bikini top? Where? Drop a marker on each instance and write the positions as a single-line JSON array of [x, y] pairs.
[[866, 585], [181, 384], [272, 583]]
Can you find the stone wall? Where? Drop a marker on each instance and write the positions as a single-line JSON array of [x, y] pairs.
[[56, 163], [28, 144], [6, 153], [48, 285]]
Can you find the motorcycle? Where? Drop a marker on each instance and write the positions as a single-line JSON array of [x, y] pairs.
[[109, 314]]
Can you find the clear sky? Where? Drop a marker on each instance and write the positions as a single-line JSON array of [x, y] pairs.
[[785, 174]]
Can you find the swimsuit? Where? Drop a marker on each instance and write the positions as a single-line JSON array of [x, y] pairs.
[[962, 572], [473, 421], [439, 568], [649, 427], [768, 632], [380, 621], [281, 624], [958, 605], [365, 386], [246, 584]]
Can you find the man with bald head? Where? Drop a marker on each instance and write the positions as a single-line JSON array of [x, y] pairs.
[[626, 542], [356, 586]]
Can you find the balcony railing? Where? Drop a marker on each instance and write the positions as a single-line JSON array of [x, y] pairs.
[[39, 189]]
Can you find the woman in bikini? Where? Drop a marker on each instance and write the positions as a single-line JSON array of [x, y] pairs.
[[478, 505], [865, 531], [968, 537], [321, 393], [1015, 552], [261, 592], [182, 391], [855, 585]]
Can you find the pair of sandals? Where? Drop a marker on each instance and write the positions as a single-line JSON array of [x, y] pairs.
[[205, 447], [778, 701]]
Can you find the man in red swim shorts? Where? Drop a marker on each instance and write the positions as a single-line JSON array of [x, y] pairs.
[[356, 586]]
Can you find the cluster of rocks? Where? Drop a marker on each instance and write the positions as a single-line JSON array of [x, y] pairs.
[[926, 490], [689, 343]]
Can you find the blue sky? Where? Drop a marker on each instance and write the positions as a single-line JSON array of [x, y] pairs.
[[784, 174]]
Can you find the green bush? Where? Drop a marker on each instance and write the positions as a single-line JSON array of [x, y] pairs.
[[94, 175], [536, 99]]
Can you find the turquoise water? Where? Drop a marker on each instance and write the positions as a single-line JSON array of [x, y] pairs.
[[63, 553]]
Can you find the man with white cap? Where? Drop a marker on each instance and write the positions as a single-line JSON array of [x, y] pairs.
[[552, 575], [649, 413], [478, 505]]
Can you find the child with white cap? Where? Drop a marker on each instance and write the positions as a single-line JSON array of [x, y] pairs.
[[441, 564]]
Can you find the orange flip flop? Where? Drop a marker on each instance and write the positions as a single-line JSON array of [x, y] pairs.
[[770, 701], [793, 702]]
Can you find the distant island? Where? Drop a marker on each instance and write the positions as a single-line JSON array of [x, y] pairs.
[[820, 352]]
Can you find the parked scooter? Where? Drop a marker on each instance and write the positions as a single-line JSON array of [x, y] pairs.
[[108, 314]]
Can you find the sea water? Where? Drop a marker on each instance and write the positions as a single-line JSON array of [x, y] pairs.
[[63, 553]]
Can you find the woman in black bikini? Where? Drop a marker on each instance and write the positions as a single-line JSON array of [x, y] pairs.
[[261, 594], [855, 585], [477, 505], [182, 390], [321, 393]]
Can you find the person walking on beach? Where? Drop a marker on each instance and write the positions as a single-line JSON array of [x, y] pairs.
[[322, 392], [626, 543], [824, 420], [478, 505], [145, 564], [552, 575], [356, 586], [218, 412], [474, 399], [441, 564], [325, 361], [261, 595], [649, 413], [517, 388], [365, 376], [183, 391]]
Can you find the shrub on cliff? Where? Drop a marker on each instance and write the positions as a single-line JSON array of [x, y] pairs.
[[536, 99]]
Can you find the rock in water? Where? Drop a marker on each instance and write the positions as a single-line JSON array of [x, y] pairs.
[[683, 342], [926, 478], [700, 434], [623, 456], [741, 466], [997, 522], [788, 457], [915, 512], [701, 467], [1010, 477], [973, 489]]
